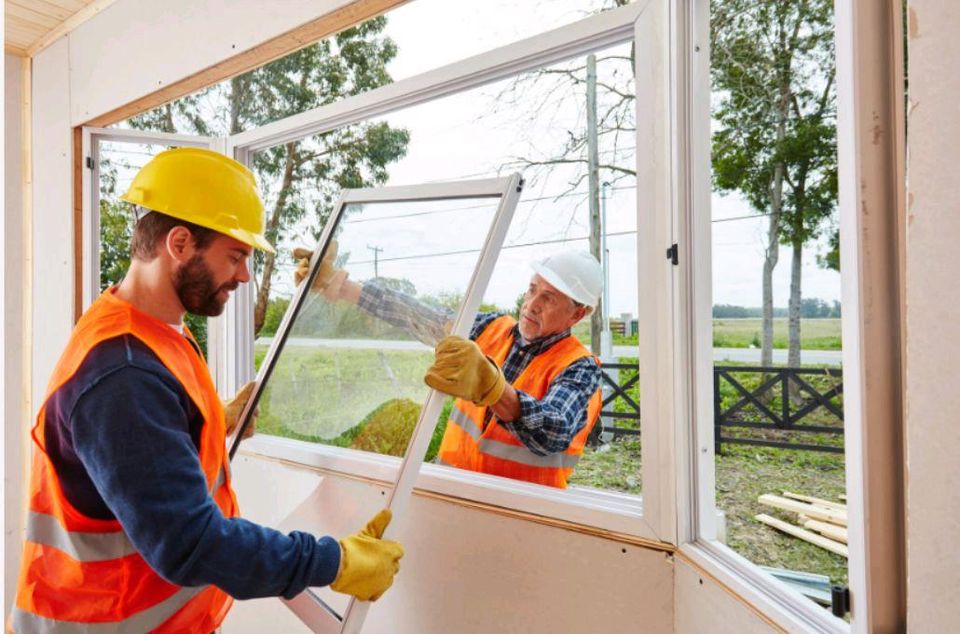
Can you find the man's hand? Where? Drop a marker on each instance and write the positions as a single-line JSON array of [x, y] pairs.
[[461, 369], [234, 407], [328, 269], [367, 562]]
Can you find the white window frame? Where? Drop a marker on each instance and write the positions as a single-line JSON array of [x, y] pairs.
[[91, 140], [643, 517], [864, 35]]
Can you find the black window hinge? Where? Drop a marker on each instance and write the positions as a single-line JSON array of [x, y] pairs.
[[673, 255], [89, 162]]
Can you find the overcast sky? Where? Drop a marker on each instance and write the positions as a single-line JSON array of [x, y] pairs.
[[478, 134]]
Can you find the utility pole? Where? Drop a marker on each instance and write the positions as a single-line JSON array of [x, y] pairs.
[[593, 181], [376, 259]]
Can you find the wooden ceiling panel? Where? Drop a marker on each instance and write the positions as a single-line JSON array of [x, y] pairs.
[[30, 25]]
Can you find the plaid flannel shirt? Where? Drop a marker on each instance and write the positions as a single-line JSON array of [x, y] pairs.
[[545, 426]]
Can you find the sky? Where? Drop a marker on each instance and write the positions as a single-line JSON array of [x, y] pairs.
[[482, 133], [458, 136]]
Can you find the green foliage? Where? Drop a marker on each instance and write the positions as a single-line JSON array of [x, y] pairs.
[[299, 181], [276, 308], [387, 430]]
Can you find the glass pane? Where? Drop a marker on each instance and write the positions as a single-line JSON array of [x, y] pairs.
[[778, 382], [119, 163], [351, 372], [536, 122]]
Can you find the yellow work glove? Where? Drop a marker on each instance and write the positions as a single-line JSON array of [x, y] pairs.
[[368, 563], [234, 407], [461, 369], [327, 270]]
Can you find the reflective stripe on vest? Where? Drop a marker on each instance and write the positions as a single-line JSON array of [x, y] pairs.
[[473, 443], [507, 451], [82, 574], [43, 528], [144, 621]]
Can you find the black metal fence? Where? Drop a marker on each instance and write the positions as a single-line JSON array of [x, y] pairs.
[[784, 401], [619, 404], [773, 409]]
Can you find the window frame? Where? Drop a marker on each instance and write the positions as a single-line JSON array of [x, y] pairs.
[[642, 516], [861, 33]]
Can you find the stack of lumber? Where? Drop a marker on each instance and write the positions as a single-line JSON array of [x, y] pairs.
[[820, 522]]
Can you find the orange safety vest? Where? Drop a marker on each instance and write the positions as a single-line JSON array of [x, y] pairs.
[[470, 443], [81, 574]]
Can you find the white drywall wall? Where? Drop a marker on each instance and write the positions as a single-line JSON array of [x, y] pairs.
[[11, 307], [135, 47], [52, 212], [933, 318], [704, 606], [465, 570]]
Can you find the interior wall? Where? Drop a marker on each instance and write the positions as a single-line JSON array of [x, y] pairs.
[[143, 45], [702, 605], [465, 570], [933, 317], [11, 307]]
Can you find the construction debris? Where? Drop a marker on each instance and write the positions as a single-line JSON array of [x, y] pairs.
[[820, 522]]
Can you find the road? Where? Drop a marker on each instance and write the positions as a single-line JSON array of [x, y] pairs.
[[740, 355]]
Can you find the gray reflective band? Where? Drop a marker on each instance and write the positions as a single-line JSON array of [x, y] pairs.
[[463, 422], [45, 529], [221, 478], [143, 621], [516, 453]]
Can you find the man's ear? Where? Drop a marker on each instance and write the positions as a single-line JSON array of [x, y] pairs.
[[179, 244], [580, 311]]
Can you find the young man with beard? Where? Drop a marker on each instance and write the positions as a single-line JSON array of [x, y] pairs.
[[528, 392], [133, 524]]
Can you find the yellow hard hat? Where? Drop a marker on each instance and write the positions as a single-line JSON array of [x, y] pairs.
[[203, 187]]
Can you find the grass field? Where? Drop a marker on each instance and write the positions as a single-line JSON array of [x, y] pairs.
[[815, 334]]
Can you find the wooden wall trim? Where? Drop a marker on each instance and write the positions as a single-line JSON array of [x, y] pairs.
[[272, 49], [78, 269]]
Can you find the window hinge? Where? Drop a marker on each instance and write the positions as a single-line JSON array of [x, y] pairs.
[[90, 162], [673, 255], [840, 600]]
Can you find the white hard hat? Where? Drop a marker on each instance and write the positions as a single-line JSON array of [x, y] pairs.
[[576, 274]]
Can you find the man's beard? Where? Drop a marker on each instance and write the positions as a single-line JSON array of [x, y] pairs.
[[195, 287]]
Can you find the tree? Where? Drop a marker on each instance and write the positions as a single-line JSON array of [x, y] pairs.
[[600, 147], [775, 143], [299, 180]]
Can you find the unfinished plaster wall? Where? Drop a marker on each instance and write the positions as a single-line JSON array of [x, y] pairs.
[[465, 570], [11, 307], [933, 317]]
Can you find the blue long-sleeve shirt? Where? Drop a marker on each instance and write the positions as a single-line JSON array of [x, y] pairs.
[[546, 425], [123, 436]]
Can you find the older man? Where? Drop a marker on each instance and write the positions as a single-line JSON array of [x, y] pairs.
[[528, 392]]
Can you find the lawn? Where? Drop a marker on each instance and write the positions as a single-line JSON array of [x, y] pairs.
[[815, 334]]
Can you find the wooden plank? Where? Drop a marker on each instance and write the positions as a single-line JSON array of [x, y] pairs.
[[815, 501], [801, 508], [839, 533], [16, 14], [805, 535], [282, 45], [69, 24], [46, 8], [14, 50], [78, 269]]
